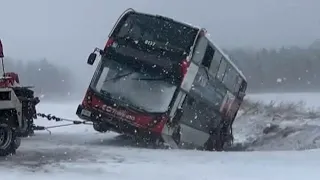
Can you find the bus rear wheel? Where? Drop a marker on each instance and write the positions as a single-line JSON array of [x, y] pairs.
[[215, 141]]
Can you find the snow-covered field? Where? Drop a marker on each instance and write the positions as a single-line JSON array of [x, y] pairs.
[[79, 152]]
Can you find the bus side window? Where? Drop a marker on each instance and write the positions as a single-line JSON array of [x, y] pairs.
[[230, 78], [208, 56], [237, 84], [215, 63], [199, 50], [242, 89], [222, 69], [243, 86]]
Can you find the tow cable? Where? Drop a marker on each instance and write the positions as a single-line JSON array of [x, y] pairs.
[[57, 119]]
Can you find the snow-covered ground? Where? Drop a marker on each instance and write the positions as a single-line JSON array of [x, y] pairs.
[[79, 152]]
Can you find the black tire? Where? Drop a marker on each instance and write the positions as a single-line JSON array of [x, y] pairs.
[[8, 140], [209, 145], [216, 141], [100, 127], [228, 136], [158, 143]]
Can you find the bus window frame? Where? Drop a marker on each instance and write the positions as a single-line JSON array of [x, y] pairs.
[[209, 60], [215, 63], [237, 85], [222, 60], [198, 60], [230, 78]]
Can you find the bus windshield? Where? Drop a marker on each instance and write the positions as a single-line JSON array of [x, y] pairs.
[[157, 31], [146, 90]]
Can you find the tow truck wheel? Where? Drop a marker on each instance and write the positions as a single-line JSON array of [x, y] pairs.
[[8, 140]]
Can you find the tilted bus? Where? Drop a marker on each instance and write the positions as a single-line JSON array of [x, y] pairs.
[[163, 81]]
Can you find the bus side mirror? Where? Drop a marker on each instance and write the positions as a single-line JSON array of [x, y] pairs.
[[92, 57]]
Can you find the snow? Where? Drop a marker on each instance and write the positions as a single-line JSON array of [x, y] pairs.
[[79, 152], [279, 80]]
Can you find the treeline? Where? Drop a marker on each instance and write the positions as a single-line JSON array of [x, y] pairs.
[[267, 70], [285, 69], [48, 79]]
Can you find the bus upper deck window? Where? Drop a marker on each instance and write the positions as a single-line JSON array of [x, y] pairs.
[[208, 56], [243, 86]]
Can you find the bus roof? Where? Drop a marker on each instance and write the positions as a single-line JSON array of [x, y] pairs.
[[227, 57], [165, 17], [130, 10], [198, 28]]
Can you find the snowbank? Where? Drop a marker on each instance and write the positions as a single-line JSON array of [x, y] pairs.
[[277, 126]]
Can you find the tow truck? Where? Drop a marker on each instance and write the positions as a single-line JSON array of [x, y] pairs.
[[17, 110]]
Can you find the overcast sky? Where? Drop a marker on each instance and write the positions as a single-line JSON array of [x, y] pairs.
[[66, 31]]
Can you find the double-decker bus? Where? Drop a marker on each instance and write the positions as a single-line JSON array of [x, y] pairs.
[[163, 81]]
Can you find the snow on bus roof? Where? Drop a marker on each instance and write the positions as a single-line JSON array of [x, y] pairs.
[[171, 19], [226, 56]]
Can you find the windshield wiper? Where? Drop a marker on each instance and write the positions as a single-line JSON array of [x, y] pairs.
[[127, 103], [124, 102], [133, 106], [117, 77]]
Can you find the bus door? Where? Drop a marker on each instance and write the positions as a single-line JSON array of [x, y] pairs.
[[176, 109], [185, 88], [194, 84]]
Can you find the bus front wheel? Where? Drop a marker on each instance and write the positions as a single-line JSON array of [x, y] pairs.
[[100, 127]]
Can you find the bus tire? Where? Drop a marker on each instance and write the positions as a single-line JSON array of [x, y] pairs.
[[8, 140], [209, 145], [228, 136], [215, 141], [100, 127]]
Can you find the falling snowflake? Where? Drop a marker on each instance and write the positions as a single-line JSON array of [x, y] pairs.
[[279, 80]]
